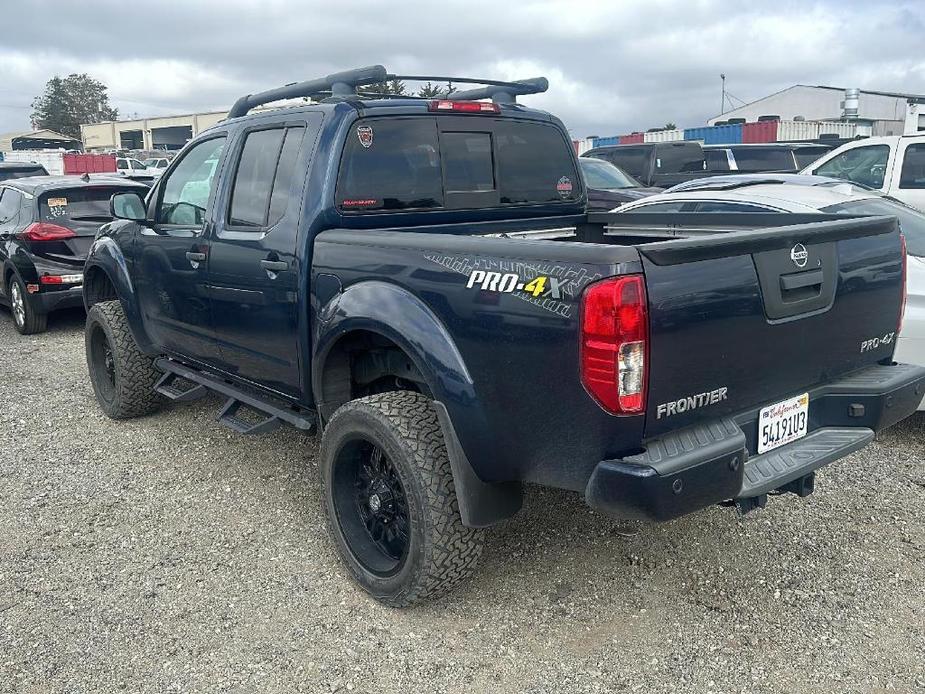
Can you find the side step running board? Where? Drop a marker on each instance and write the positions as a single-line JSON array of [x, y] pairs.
[[274, 413]]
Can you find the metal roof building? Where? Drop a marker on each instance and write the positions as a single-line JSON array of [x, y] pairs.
[[885, 110], [162, 132], [36, 139]]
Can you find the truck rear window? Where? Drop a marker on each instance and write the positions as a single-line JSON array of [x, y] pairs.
[[414, 164], [7, 173]]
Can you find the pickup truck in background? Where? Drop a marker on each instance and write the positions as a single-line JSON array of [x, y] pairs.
[[894, 165], [656, 164], [419, 281]]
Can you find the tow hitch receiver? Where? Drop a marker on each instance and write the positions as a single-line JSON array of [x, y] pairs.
[[802, 487]]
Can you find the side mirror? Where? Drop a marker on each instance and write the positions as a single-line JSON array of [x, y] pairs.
[[127, 205]]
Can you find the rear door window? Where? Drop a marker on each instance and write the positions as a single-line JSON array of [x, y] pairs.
[[717, 159], [913, 173], [679, 158], [631, 159]]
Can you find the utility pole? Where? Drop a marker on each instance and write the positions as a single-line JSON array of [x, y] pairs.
[[722, 106]]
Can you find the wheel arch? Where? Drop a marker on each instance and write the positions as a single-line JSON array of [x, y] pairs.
[[395, 318]]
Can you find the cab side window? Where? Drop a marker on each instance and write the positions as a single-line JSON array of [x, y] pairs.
[[185, 194], [864, 165], [263, 180], [913, 173]]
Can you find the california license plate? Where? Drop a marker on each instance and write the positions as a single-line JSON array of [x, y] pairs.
[[782, 423]]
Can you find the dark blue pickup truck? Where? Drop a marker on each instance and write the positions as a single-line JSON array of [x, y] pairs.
[[418, 280]]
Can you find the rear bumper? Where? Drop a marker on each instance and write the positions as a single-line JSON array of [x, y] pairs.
[[47, 301], [693, 468]]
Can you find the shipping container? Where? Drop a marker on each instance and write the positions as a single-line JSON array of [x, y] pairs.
[[632, 139], [762, 131], [584, 145], [605, 141], [795, 130], [723, 135], [52, 160], [846, 131], [89, 163], [664, 136], [695, 134]]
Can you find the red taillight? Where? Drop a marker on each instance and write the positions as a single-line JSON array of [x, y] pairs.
[[614, 344], [902, 306], [44, 231], [464, 106]]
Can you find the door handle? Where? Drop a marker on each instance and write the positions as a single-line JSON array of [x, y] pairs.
[[195, 258], [801, 280], [274, 265]]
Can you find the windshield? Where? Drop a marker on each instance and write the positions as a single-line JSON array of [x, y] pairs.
[[604, 175], [911, 222]]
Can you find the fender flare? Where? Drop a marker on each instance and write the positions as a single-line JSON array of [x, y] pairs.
[[398, 315], [106, 257]]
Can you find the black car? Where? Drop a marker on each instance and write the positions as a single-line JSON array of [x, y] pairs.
[[784, 157], [47, 224], [20, 169], [610, 186]]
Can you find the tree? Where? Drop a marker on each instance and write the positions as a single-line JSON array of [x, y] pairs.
[[396, 87], [429, 90], [67, 102], [669, 126]]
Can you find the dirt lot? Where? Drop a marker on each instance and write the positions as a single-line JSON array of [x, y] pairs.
[[167, 554]]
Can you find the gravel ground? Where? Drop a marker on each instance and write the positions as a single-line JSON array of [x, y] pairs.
[[169, 554]]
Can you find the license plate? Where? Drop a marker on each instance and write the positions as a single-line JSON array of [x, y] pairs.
[[782, 423]]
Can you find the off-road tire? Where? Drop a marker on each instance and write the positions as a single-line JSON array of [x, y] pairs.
[[441, 550], [130, 390], [31, 320]]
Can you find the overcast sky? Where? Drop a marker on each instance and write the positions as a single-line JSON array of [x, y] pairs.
[[613, 66]]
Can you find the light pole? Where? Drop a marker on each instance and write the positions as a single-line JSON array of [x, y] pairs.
[[722, 106]]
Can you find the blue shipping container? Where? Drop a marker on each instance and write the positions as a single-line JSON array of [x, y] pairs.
[[723, 135], [694, 133], [605, 141]]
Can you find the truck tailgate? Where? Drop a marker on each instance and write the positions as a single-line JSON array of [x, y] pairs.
[[751, 318]]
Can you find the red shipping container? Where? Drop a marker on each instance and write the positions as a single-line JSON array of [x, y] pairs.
[[761, 131], [89, 163], [633, 139]]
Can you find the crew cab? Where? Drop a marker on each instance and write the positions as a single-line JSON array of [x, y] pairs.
[[419, 281], [894, 165]]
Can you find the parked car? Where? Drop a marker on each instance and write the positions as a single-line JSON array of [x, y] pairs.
[[418, 279], [128, 165], [894, 165], [10, 170], [656, 164], [609, 186], [47, 224], [785, 157], [738, 194], [156, 166]]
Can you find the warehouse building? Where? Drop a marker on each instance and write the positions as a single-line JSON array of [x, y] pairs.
[[884, 112], [164, 132], [36, 139]]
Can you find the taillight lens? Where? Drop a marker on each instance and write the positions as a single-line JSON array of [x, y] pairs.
[[464, 106], [614, 344], [902, 306], [44, 231]]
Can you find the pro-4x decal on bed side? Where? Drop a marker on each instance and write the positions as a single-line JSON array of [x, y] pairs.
[[550, 286]]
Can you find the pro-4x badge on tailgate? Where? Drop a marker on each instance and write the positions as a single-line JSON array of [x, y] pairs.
[[365, 136]]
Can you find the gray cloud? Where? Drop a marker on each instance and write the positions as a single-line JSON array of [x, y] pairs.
[[613, 67]]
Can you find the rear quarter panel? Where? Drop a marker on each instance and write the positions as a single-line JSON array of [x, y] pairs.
[[515, 396]]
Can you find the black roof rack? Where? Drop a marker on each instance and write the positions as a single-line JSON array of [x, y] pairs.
[[342, 85]]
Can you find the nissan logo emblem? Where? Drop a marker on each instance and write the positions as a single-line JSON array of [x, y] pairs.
[[799, 255]]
